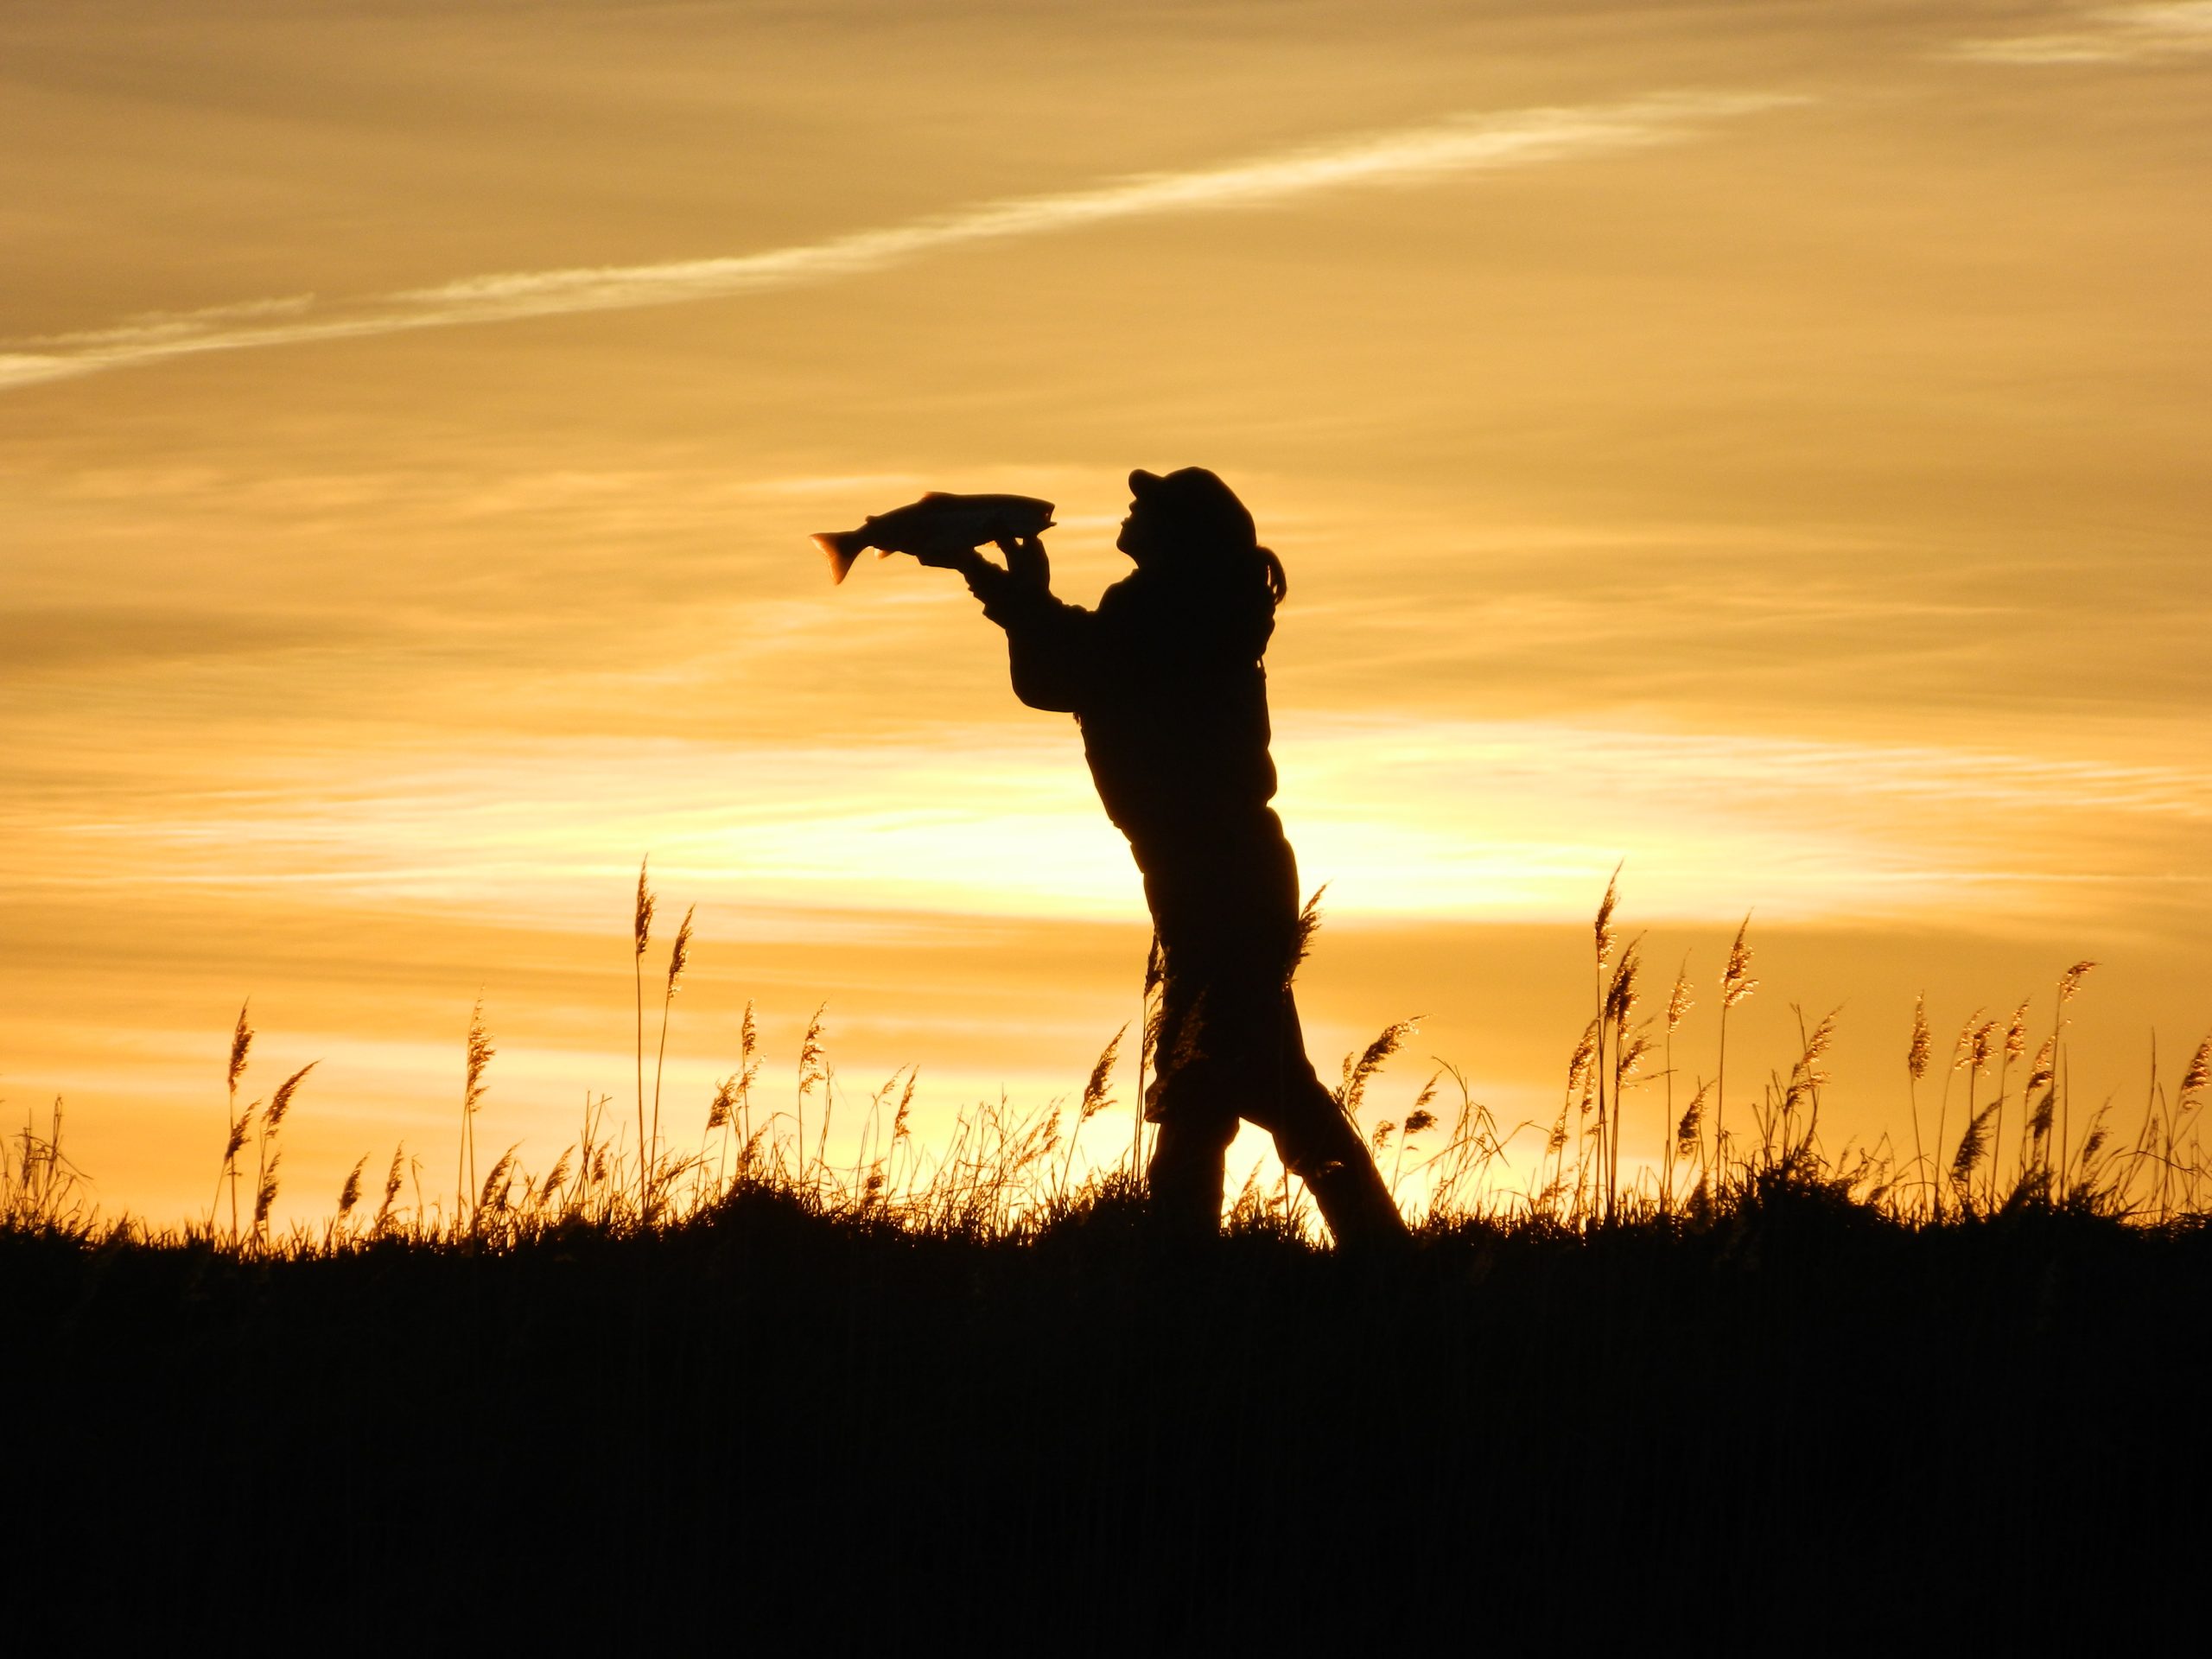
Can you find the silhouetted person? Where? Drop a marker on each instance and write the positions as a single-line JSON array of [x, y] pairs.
[[1165, 680]]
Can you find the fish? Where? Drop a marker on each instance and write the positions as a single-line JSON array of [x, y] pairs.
[[938, 524]]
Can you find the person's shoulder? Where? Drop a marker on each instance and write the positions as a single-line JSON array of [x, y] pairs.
[[1127, 597]]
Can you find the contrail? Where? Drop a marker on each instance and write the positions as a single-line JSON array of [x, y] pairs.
[[1460, 144]]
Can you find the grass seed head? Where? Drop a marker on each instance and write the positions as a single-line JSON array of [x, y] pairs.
[[1962, 1049], [718, 1109], [2198, 1071], [1096, 1098], [1736, 981], [267, 1196], [241, 1040], [1687, 1131], [2015, 1033], [1577, 1064], [1916, 1056], [281, 1102], [1602, 929], [1360, 1072], [1981, 1045], [810, 1052], [641, 924], [392, 1179], [2070, 981], [2040, 1072], [680, 952], [1679, 1001], [1972, 1145], [350, 1194], [1301, 942], [479, 1057], [499, 1184], [239, 1133], [1620, 993]]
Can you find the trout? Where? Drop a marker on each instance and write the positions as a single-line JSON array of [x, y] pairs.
[[937, 525]]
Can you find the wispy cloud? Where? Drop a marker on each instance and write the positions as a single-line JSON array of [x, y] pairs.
[[1411, 156], [2105, 35]]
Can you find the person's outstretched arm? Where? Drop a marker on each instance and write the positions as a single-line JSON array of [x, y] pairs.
[[1052, 646]]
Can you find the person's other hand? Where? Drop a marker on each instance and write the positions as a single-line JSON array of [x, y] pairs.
[[1026, 561]]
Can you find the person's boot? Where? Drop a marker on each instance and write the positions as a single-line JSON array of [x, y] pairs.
[[1357, 1206], [1183, 1182]]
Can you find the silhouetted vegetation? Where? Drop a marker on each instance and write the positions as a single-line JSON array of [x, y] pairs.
[[747, 1392]]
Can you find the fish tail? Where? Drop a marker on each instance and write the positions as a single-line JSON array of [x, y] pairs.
[[840, 548]]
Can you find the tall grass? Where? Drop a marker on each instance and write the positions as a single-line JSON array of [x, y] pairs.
[[1006, 1172]]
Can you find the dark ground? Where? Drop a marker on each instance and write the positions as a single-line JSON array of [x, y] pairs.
[[1803, 1427]]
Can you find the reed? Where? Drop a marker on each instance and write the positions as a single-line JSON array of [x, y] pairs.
[[1736, 984], [1007, 1173], [1915, 1067], [1680, 1001], [641, 933], [678, 958], [477, 1060]]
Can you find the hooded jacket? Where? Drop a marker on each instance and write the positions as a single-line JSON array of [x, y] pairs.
[[1165, 680]]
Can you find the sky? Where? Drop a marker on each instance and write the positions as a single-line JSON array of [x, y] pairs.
[[1762, 447]]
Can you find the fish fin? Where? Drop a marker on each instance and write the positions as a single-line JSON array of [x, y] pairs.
[[840, 548]]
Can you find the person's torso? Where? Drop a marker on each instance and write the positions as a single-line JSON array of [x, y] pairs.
[[1176, 731]]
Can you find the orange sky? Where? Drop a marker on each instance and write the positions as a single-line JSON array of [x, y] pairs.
[[1765, 445]]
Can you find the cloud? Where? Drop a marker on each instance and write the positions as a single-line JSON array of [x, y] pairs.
[[1408, 156], [2108, 35]]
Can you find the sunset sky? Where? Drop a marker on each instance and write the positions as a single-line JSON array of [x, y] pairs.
[[1766, 445]]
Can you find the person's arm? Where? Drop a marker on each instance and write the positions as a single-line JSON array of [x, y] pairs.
[[1052, 646]]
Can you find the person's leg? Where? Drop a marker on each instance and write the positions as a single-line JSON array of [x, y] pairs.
[[1320, 1146], [1333, 1162], [1194, 1122], [1183, 1182]]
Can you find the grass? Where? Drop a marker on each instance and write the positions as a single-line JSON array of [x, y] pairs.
[[736, 1390]]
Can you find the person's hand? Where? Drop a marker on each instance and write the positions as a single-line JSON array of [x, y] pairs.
[[1026, 561]]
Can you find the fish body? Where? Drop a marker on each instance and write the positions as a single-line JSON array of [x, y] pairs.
[[938, 524]]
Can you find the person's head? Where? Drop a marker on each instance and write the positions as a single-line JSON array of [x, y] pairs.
[[1190, 522]]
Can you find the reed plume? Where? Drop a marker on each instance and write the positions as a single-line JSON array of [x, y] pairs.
[[1689, 1133], [1301, 942], [233, 1125], [1680, 1001], [810, 1072], [641, 933], [2070, 983], [1616, 1010], [678, 956], [1916, 1068], [350, 1194], [2014, 1046], [1360, 1070], [480, 1053], [265, 1193], [1096, 1098], [1154, 1013], [391, 1180], [271, 1122], [2198, 1073], [1419, 1121], [1736, 984]]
